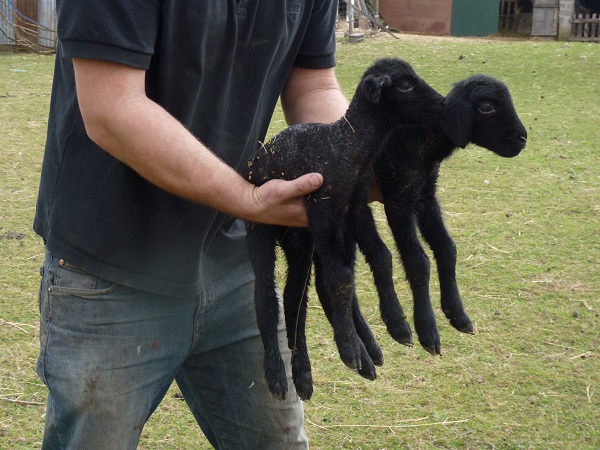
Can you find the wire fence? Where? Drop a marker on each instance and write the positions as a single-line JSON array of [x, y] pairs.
[[29, 24], [363, 13]]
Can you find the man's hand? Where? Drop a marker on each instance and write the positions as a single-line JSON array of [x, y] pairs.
[[280, 202]]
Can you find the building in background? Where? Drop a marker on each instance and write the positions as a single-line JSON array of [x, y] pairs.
[[31, 24], [553, 19]]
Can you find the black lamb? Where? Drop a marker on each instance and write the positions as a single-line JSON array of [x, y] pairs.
[[478, 110], [389, 93]]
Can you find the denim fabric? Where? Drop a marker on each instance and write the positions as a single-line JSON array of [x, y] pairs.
[[109, 353]]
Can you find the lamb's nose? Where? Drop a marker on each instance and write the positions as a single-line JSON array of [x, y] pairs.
[[523, 140]]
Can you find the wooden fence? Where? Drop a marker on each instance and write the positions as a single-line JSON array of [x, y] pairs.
[[585, 27]]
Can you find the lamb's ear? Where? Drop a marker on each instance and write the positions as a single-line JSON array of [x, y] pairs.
[[372, 86], [457, 119]]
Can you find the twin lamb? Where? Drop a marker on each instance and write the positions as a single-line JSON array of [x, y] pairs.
[[396, 132]]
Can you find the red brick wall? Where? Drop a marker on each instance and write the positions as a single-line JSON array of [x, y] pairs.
[[422, 16]]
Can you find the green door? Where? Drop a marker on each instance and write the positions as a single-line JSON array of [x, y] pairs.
[[475, 17]]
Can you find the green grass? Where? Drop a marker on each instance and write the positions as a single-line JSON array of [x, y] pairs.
[[528, 235]]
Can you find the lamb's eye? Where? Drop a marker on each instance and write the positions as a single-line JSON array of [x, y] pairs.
[[486, 108], [405, 86]]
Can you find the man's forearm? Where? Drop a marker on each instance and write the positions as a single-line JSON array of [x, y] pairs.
[[148, 139]]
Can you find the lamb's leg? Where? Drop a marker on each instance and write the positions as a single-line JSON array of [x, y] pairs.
[[366, 336], [335, 249], [371, 353], [416, 266], [297, 245], [261, 241], [435, 233], [380, 260]]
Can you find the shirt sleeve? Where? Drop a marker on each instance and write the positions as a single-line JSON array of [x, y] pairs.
[[112, 30], [318, 47]]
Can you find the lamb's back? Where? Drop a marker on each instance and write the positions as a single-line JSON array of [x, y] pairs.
[[300, 149]]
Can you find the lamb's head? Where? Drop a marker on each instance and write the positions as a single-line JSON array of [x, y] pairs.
[[398, 95], [480, 110]]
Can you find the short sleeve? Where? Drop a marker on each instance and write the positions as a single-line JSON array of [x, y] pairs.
[[318, 47], [112, 30]]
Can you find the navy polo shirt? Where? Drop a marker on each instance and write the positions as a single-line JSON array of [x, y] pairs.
[[216, 66]]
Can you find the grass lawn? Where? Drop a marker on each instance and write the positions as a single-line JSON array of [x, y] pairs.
[[528, 236]]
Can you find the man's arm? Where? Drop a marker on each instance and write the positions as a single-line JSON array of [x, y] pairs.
[[312, 95], [122, 120]]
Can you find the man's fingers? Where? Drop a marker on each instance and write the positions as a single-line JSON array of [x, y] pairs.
[[307, 183], [281, 202]]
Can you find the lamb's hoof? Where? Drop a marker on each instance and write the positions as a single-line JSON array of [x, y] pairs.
[[356, 357], [353, 353], [468, 328], [367, 369], [278, 391], [374, 352], [372, 347], [304, 385], [431, 343], [458, 317], [276, 379], [377, 358], [433, 350], [400, 332], [368, 339], [463, 324]]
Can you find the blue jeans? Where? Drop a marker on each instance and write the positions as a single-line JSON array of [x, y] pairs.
[[109, 354]]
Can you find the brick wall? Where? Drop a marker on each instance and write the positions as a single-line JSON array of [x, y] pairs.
[[421, 16]]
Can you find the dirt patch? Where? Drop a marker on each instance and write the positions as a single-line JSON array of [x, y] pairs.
[[12, 235]]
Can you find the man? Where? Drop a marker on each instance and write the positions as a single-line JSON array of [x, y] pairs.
[[146, 277]]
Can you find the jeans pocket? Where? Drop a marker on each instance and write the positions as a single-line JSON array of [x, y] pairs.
[[69, 280], [68, 298]]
